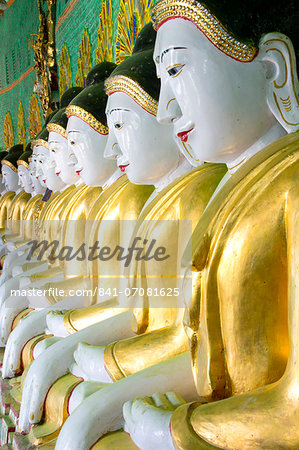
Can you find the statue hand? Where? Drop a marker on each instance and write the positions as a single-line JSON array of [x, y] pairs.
[[55, 323], [50, 365], [90, 363], [30, 326], [147, 420], [10, 246], [8, 313]]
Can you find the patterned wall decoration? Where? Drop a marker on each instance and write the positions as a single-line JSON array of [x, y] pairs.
[[84, 60], [132, 16], [21, 126], [104, 50], [65, 71], [35, 123], [8, 132]]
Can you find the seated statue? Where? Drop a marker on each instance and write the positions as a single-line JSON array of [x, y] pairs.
[[242, 324], [17, 208], [119, 202], [16, 245], [6, 196], [181, 193], [112, 204]]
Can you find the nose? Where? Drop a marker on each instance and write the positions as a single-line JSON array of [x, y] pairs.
[[112, 149], [38, 172], [168, 107], [72, 159]]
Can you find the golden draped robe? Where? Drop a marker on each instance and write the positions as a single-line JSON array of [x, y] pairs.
[[120, 202], [5, 202], [184, 199], [15, 215], [237, 321]]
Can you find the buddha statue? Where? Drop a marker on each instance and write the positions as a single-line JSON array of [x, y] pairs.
[[242, 318], [55, 183], [181, 193], [119, 202], [72, 218], [11, 179], [2, 184], [5, 196], [17, 247]]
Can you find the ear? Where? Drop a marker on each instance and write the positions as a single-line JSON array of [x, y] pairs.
[[282, 88]]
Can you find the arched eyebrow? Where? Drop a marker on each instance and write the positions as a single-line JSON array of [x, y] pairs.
[[118, 109], [168, 50]]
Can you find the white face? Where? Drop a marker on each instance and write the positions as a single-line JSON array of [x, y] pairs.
[[87, 152], [218, 106], [35, 182], [142, 147], [25, 179], [44, 170], [2, 185], [10, 178], [59, 154]]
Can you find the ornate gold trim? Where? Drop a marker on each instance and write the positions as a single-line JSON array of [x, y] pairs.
[[57, 129], [20, 162], [74, 110], [9, 164], [206, 22], [120, 83], [42, 142]]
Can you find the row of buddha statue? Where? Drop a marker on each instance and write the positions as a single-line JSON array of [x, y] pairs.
[[190, 143]]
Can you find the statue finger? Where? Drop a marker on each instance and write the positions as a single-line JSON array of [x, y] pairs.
[[175, 399], [161, 401], [127, 413], [141, 404]]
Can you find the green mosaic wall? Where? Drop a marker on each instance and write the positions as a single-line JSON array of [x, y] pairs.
[[84, 15], [16, 24], [21, 19]]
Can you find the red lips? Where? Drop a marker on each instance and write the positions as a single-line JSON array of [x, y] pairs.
[[58, 173], [123, 167], [183, 135], [78, 171]]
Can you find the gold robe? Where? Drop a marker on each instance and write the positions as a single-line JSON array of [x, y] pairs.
[[15, 215], [158, 320], [119, 202], [5, 202], [238, 318]]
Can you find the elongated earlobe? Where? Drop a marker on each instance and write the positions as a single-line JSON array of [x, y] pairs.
[[282, 89]]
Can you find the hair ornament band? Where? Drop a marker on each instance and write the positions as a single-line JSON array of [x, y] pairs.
[[20, 162], [36, 142], [206, 22], [57, 129], [9, 164], [74, 110], [120, 83]]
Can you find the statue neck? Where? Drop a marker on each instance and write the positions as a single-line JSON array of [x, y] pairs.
[[272, 135], [18, 190], [64, 187], [79, 182], [276, 132], [115, 176], [182, 167]]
